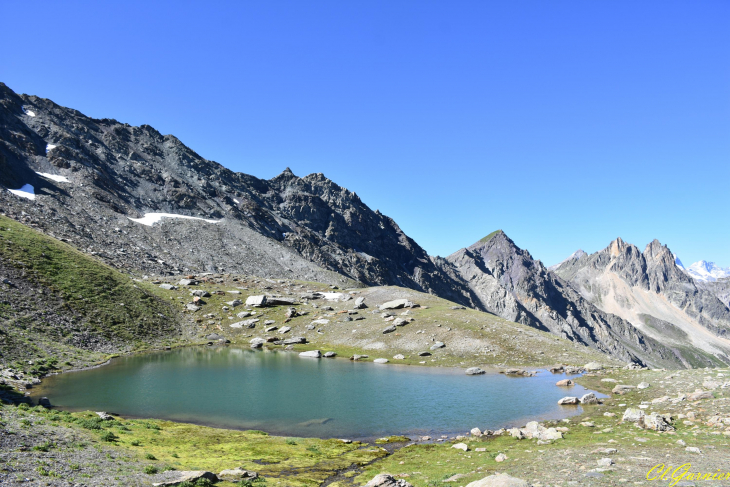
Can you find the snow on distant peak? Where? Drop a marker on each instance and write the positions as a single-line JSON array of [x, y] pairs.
[[678, 262], [54, 177], [50, 147], [707, 271], [26, 191], [30, 113], [574, 256], [151, 218]]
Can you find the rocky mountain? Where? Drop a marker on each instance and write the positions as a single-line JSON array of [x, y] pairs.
[[101, 185], [707, 271], [574, 256], [652, 292], [507, 281]]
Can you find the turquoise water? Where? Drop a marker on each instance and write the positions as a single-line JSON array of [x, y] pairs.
[[281, 393]]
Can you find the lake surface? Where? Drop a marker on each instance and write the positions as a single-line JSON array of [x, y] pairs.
[[282, 393]]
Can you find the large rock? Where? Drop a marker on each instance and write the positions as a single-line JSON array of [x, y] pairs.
[[568, 400], [234, 303], [245, 324], [167, 286], [360, 303], [294, 341], [396, 304], [696, 396], [633, 415], [311, 354], [387, 480], [501, 480], [593, 366], [237, 475], [622, 389], [279, 301], [565, 383], [589, 398], [191, 476], [256, 301], [472, 370], [187, 282], [390, 329], [656, 422]]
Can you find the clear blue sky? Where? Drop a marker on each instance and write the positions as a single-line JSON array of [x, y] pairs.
[[566, 124]]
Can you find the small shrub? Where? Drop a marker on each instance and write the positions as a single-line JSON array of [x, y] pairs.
[[150, 469], [23, 406], [89, 423], [174, 455], [135, 443], [26, 423], [108, 436], [74, 466], [150, 456], [44, 447], [290, 441]]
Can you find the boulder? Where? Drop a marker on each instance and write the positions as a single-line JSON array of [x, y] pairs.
[[390, 329], [605, 462], [500, 458], [461, 446], [381, 361], [360, 303], [260, 341], [633, 415], [256, 301], [657, 422], [399, 356], [279, 301], [191, 476], [45, 402], [192, 307], [245, 324], [291, 313], [167, 286], [696, 396], [244, 314], [593, 366], [472, 370], [549, 434], [294, 341], [589, 398], [330, 354], [387, 480], [285, 329], [213, 336], [234, 303], [311, 354], [643, 385], [396, 304], [476, 432], [400, 322], [501, 480], [200, 293], [437, 345], [565, 383], [622, 389], [104, 416], [237, 475], [187, 282], [516, 433], [424, 354], [568, 400], [320, 322], [357, 357]]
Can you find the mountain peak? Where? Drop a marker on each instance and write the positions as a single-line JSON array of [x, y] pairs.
[[490, 236], [577, 255]]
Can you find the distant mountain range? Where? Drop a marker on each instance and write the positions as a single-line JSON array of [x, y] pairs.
[[705, 271], [146, 203]]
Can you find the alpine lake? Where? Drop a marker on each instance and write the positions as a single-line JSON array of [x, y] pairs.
[[285, 394]]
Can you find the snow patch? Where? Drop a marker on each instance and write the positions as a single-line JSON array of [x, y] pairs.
[[237, 202], [30, 113], [50, 147], [678, 262], [25, 192], [54, 177], [151, 218]]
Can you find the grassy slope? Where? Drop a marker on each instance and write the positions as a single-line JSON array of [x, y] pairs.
[[59, 291]]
